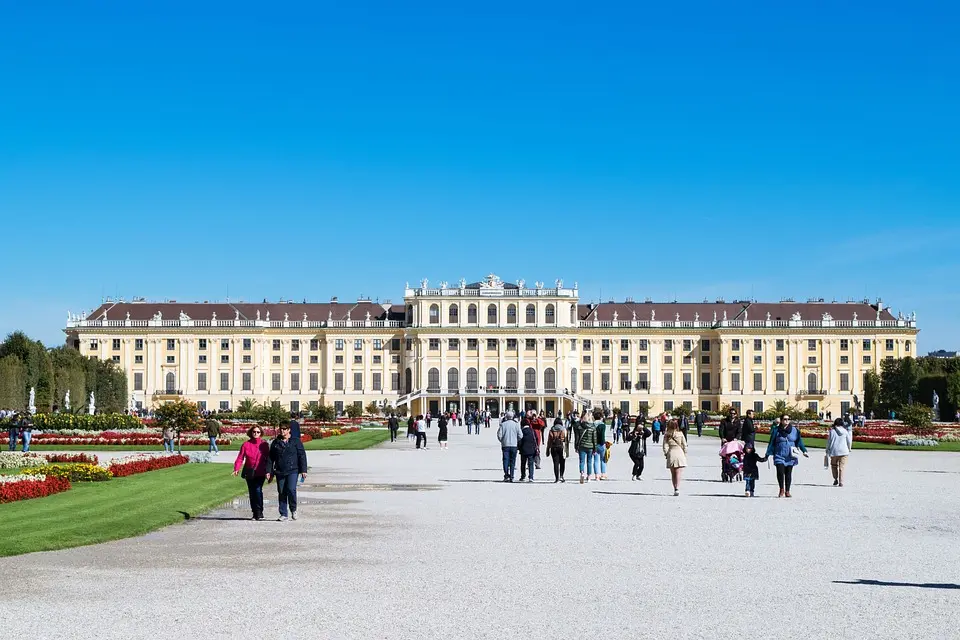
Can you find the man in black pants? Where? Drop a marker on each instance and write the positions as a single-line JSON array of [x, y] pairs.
[[748, 432], [701, 419], [394, 426]]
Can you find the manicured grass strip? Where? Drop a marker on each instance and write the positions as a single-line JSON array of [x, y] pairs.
[[821, 443], [350, 441], [94, 512]]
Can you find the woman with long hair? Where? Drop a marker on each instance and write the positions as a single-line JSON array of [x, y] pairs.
[[251, 465], [675, 451]]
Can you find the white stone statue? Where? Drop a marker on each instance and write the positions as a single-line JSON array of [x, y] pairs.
[[634, 315], [267, 317], [92, 407], [66, 400], [878, 314], [575, 285], [443, 284], [183, 316], [826, 317], [463, 283], [854, 316], [724, 315], [31, 407], [615, 316], [559, 283], [714, 316], [677, 319], [128, 316], [521, 282], [258, 315], [286, 317], [913, 316], [653, 315], [236, 315], [348, 316], [304, 316], [330, 316], [158, 316], [406, 285], [796, 316], [936, 406], [368, 316], [696, 317], [539, 284], [424, 283], [768, 316]]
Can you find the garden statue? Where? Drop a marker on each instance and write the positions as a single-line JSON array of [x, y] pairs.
[[31, 407], [936, 406], [92, 407], [66, 400], [133, 403]]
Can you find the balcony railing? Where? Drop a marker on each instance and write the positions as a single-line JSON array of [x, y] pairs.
[[83, 323]]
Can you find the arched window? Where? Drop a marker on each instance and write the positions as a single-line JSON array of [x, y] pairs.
[[454, 314], [453, 379], [812, 382], [491, 378], [408, 381], [471, 379], [550, 380], [171, 382], [531, 314], [434, 314], [472, 314], [550, 314], [512, 314], [573, 381], [511, 379], [433, 379], [530, 379], [409, 314], [492, 314], [573, 315]]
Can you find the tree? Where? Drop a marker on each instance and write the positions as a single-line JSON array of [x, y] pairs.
[[13, 389], [871, 392], [354, 410], [953, 391], [180, 415], [918, 417], [271, 413], [898, 382], [373, 409], [247, 405], [324, 412]]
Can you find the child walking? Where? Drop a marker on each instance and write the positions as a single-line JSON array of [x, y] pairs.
[[750, 471]]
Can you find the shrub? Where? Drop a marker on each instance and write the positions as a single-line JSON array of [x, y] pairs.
[[324, 412], [918, 417], [25, 487], [84, 422], [354, 410], [74, 472]]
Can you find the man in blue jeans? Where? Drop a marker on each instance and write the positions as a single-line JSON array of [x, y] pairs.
[[509, 435], [288, 459]]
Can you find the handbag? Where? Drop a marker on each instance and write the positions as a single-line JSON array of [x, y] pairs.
[[536, 460], [246, 473]]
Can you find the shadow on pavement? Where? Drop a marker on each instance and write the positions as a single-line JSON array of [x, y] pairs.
[[631, 493], [884, 583]]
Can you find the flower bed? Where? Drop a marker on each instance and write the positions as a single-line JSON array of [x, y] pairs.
[[74, 472], [88, 458], [25, 487], [19, 460], [131, 465]]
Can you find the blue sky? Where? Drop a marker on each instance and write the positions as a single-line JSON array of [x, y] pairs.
[[195, 150]]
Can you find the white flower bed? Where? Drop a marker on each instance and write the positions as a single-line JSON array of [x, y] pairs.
[[20, 460], [198, 457], [911, 440], [20, 478]]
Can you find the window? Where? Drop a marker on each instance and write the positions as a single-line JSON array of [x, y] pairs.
[[472, 314], [378, 382], [530, 344], [224, 381], [758, 345], [453, 344], [409, 344], [453, 379], [171, 344], [472, 379], [844, 344], [605, 382], [116, 358], [275, 381], [668, 406], [313, 359], [735, 381], [867, 360], [668, 381], [866, 345], [643, 359], [338, 407], [247, 381], [224, 405], [605, 345], [758, 407], [201, 359], [357, 359], [395, 381], [668, 345], [758, 382], [643, 382], [224, 359], [624, 345], [512, 382], [667, 359], [138, 344], [643, 345], [395, 344], [94, 345], [338, 344], [624, 359], [574, 379], [492, 377], [687, 360], [472, 344], [687, 383], [704, 345], [434, 344], [604, 359], [224, 344], [116, 344], [314, 381], [530, 379], [550, 314], [757, 359], [138, 381], [781, 380], [687, 345], [811, 359], [492, 314], [844, 382], [295, 381], [550, 380], [172, 359], [888, 345], [587, 345], [138, 359], [314, 344], [377, 344], [780, 345], [906, 346], [706, 405], [531, 314], [736, 405], [358, 381], [358, 344], [812, 382], [276, 360], [338, 359], [844, 359], [587, 382], [394, 358], [735, 344], [295, 406], [433, 379], [453, 314], [491, 344], [735, 359], [705, 359], [434, 314], [573, 344], [811, 345], [586, 359], [550, 344], [511, 344], [276, 345]]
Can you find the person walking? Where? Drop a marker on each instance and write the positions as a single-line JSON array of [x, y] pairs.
[[783, 439], [586, 437], [748, 432], [421, 427], [26, 431], [638, 448], [287, 460], [213, 428], [573, 423], [656, 429], [411, 427], [675, 451], [168, 439], [471, 419], [751, 469], [13, 428], [529, 449], [509, 435], [700, 421], [600, 450], [839, 444], [394, 425], [442, 429], [729, 429], [251, 465], [556, 441]]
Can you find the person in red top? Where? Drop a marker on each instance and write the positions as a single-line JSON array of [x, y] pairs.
[[251, 465]]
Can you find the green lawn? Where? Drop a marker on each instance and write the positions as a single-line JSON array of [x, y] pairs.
[[348, 441], [818, 443], [93, 512]]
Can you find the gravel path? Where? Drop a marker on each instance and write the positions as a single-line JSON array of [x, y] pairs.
[[398, 543]]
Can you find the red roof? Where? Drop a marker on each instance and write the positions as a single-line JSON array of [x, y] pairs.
[[248, 311], [667, 311]]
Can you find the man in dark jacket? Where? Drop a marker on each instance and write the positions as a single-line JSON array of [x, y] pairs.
[[730, 427], [394, 424], [529, 449], [748, 432], [294, 426], [288, 459], [701, 420]]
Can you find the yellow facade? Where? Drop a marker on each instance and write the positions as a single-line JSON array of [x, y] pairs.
[[492, 344]]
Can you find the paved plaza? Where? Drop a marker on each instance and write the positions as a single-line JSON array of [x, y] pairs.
[[398, 543]]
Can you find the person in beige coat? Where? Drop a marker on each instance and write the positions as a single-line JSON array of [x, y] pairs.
[[675, 450]]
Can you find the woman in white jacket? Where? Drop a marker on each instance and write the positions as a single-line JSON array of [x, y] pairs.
[[839, 443]]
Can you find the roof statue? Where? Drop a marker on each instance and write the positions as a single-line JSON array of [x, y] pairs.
[[575, 285], [128, 316], [539, 284], [724, 315], [462, 283], [696, 317], [423, 283], [745, 315], [521, 282], [854, 316], [236, 315], [368, 316], [304, 316], [768, 316], [158, 316], [900, 315], [559, 283], [183, 316], [714, 316], [913, 316], [615, 315], [267, 318], [826, 317], [214, 318], [878, 313], [286, 317], [796, 316], [330, 316], [258, 315], [493, 282], [407, 285], [653, 315], [348, 316], [443, 284], [634, 315], [678, 317]]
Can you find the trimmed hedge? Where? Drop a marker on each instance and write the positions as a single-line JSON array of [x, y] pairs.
[[85, 422]]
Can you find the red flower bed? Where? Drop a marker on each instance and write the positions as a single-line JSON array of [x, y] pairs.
[[71, 457], [114, 438], [122, 469], [32, 488]]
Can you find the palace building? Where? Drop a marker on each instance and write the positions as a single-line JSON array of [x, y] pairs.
[[494, 344]]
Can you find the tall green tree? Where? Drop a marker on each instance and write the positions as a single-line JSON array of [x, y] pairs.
[[871, 392], [899, 380], [13, 383]]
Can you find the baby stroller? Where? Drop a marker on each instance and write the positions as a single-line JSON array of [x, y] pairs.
[[731, 466]]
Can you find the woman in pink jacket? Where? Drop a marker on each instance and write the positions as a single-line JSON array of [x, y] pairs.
[[251, 465]]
